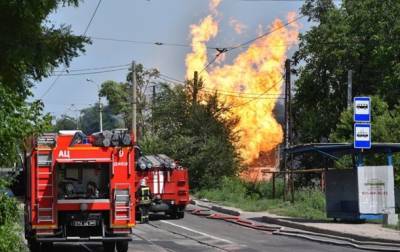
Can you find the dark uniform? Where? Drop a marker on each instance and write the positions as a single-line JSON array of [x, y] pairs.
[[144, 203]]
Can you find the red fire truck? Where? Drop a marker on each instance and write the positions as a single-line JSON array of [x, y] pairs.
[[80, 189], [168, 183]]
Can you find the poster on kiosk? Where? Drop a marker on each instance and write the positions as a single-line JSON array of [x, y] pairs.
[[376, 189]]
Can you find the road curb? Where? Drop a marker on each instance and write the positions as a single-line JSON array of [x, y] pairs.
[[291, 224], [225, 210], [295, 225], [216, 208]]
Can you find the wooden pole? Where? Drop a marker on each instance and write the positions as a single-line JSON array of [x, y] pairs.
[[273, 185], [134, 101], [195, 86]]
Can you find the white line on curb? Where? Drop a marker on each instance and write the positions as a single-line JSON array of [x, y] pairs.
[[197, 232]]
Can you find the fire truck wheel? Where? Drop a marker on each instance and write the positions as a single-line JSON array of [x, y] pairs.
[[122, 246], [173, 214], [34, 246], [181, 215], [176, 213], [109, 246], [47, 247]]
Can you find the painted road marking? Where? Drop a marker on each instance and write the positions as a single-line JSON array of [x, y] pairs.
[[197, 232]]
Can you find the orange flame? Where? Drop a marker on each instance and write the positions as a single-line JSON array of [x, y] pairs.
[[251, 84]]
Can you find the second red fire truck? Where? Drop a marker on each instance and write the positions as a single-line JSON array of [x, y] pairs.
[[162, 186]]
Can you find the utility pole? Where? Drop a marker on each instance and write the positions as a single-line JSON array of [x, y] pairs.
[[288, 131], [100, 105], [71, 108], [100, 113], [134, 101], [349, 88], [287, 103], [154, 96], [195, 86], [153, 106]]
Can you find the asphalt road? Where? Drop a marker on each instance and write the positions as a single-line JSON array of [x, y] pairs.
[[194, 233]]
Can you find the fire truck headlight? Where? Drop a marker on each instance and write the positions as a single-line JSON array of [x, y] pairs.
[[142, 165], [84, 207], [149, 165], [173, 165]]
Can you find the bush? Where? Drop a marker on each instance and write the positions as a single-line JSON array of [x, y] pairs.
[[10, 238], [9, 212], [10, 229]]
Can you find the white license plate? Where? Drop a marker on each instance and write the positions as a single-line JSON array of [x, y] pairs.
[[86, 223]]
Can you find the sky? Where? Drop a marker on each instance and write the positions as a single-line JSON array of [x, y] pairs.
[[165, 21]]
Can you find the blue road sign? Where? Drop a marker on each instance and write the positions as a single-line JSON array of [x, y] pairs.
[[362, 109], [362, 136]]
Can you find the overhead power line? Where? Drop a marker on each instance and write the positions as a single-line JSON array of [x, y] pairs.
[[91, 19], [169, 78], [263, 95], [264, 34], [154, 43], [283, 1], [270, 0], [244, 96], [257, 97], [238, 92], [84, 34], [95, 72], [220, 52], [93, 68], [247, 43]]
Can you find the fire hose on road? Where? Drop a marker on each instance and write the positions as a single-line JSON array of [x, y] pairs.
[[317, 237]]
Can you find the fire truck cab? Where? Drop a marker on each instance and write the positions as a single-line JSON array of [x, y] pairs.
[[80, 189]]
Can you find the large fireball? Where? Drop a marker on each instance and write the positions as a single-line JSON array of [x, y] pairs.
[[251, 84]]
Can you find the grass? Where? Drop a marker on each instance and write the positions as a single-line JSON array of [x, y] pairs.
[[395, 227], [309, 202]]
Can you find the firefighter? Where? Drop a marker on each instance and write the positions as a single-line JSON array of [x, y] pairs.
[[144, 201], [91, 190]]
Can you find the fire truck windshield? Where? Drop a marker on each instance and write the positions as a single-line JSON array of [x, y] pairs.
[[83, 180]]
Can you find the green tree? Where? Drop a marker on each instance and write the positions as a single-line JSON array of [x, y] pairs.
[[65, 122], [358, 35], [119, 96], [89, 121], [31, 47], [18, 119], [197, 134]]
